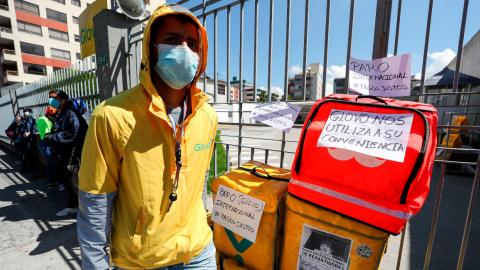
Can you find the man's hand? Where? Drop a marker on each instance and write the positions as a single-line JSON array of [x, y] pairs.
[[26, 134], [47, 137], [18, 119]]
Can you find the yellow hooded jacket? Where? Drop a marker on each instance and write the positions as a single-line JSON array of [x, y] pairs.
[[128, 165]]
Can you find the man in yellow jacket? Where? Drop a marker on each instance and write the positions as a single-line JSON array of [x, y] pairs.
[[142, 172]]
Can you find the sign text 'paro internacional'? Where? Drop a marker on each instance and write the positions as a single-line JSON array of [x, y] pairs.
[[385, 77], [379, 135], [238, 212]]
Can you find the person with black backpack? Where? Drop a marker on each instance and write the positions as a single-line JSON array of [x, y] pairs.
[[24, 128]]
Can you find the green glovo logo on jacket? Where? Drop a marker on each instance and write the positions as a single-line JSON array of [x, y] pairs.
[[201, 146]]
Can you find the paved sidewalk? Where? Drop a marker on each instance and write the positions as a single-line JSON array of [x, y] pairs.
[[31, 235]]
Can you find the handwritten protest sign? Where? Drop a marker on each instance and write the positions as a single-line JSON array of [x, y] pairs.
[[380, 135], [386, 77], [323, 250], [280, 115], [238, 212]]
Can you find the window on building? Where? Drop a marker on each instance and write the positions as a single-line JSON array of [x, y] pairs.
[[34, 69], [76, 3], [56, 16], [298, 80], [79, 56], [55, 69], [298, 87], [75, 20], [291, 81], [60, 54], [59, 1], [297, 94], [55, 34], [27, 7], [77, 38], [32, 49], [221, 89], [29, 28]]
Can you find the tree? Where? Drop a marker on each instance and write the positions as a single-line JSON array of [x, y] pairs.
[[262, 97], [275, 97]]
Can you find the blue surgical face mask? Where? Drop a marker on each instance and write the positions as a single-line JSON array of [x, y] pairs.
[[177, 65], [53, 103]]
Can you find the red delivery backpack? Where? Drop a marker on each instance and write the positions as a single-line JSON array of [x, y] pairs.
[[367, 158]]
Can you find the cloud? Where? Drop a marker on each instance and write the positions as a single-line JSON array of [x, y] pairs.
[[328, 89], [334, 72], [277, 90], [297, 69], [440, 60], [389, 55]]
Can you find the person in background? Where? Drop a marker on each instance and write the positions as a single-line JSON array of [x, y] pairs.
[[25, 127], [45, 125], [66, 137]]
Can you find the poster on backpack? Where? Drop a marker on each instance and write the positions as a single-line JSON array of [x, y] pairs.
[[375, 134], [321, 250], [384, 77]]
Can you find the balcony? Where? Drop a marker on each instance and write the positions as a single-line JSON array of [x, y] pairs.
[[6, 33], [8, 57], [11, 76]]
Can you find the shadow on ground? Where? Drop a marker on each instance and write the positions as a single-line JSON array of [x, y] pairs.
[[28, 223]]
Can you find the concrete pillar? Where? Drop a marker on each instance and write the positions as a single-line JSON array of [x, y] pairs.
[[382, 29], [111, 49]]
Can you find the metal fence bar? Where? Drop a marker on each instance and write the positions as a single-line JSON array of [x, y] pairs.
[[227, 153], [287, 51], [425, 49], [205, 26], [255, 53], [460, 46], [468, 223], [349, 45], [397, 31], [270, 49], [215, 154], [215, 82], [325, 49], [228, 56], [400, 250], [305, 50], [435, 216], [240, 86]]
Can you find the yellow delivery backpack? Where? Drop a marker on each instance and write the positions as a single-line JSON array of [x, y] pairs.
[[316, 238], [266, 183], [228, 263]]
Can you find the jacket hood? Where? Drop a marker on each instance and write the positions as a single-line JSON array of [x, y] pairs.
[[197, 97]]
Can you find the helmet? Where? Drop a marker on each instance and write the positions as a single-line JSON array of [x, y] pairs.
[[27, 108], [50, 112], [78, 104]]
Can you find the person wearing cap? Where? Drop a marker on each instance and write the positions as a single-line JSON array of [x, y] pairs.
[[25, 127], [66, 137], [142, 176]]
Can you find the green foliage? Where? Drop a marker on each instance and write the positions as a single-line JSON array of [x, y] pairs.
[[262, 97], [221, 163], [275, 97]]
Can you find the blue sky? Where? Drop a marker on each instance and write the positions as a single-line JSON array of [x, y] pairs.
[[444, 35]]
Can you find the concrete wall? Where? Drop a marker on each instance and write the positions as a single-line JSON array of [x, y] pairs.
[[470, 63]]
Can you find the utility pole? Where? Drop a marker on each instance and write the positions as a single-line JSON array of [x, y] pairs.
[[382, 29]]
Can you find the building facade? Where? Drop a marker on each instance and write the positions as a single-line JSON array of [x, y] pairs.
[[313, 84], [38, 37]]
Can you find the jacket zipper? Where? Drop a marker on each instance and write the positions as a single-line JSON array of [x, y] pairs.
[[421, 155]]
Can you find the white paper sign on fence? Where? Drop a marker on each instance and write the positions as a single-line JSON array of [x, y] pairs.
[[280, 115], [386, 77], [238, 212], [380, 135]]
